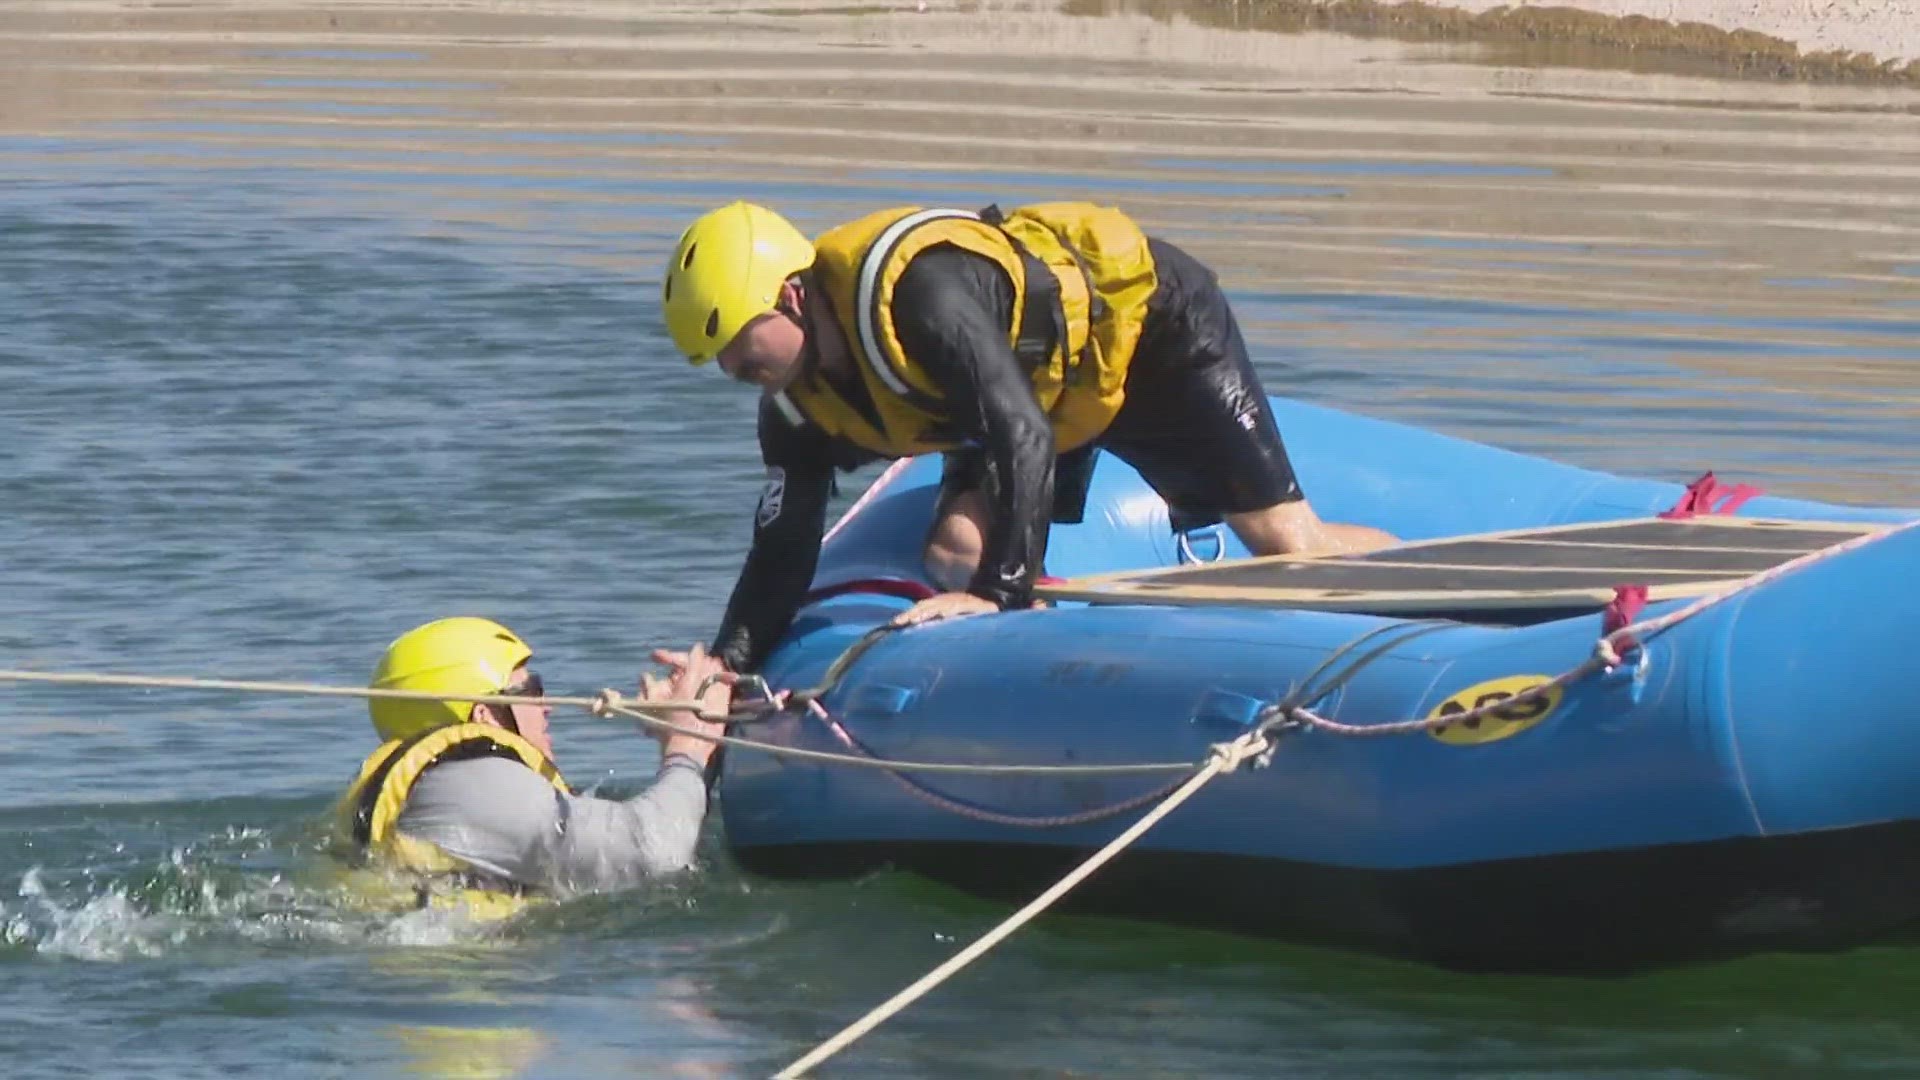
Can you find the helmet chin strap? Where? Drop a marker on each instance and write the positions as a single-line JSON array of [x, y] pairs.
[[813, 357], [809, 359]]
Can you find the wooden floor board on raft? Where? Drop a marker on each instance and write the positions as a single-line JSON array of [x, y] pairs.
[[1554, 567]]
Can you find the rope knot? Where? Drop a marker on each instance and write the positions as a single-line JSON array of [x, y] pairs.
[[1285, 717], [1253, 746], [1604, 652], [605, 702]]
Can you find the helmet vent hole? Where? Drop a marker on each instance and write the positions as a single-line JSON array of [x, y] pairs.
[[687, 259], [713, 322], [666, 290]]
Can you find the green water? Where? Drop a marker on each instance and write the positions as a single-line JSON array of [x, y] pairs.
[[307, 339]]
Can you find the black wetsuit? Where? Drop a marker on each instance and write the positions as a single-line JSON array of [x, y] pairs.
[[1196, 425]]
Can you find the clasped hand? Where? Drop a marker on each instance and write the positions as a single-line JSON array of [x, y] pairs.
[[687, 671]]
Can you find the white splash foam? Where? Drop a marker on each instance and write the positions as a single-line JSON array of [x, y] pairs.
[[106, 927]]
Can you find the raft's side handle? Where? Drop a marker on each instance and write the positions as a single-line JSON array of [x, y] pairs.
[[1228, 712], [878, 699]]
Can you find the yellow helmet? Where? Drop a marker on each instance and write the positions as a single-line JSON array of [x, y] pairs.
[[727, 271], [461, 655]]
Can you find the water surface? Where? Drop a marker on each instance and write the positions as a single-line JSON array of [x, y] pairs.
[[321, 322]]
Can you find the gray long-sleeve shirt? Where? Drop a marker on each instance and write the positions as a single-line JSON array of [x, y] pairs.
[[509, 822]]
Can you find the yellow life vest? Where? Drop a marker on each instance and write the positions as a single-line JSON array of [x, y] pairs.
[[1081, 277], [366, 818]]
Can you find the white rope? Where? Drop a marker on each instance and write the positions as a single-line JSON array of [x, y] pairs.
[[89, 678], [1226, 757], [606, 703]]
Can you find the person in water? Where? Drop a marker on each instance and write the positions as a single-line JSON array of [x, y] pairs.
[[467, 795], [1017, 344]]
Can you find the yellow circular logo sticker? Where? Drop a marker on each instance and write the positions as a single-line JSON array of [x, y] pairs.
[[1500, 723]]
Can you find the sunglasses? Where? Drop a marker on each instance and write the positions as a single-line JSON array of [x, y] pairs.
[[531, 686]]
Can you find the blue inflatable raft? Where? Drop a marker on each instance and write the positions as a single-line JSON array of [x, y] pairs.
[[1750, 779]]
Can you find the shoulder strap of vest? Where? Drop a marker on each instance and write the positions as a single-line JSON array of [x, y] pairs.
[[1096, 304], [1043, 319]]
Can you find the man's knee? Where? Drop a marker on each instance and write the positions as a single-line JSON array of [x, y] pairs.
[[1292, 528], [956, 540]]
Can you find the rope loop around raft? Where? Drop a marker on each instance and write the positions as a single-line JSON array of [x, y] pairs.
[[1308, 690]]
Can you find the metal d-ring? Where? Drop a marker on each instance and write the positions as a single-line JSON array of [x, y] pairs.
[[1185, 546], [753, 684]]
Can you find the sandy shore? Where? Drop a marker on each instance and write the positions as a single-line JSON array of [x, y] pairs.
[[1888, 30], [1823, 41], [1792, 40]]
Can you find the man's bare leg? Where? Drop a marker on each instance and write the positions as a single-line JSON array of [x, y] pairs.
[[1292, 528], [1289, 528], [956, 540]]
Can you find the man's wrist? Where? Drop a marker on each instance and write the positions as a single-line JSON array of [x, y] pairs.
[[994, 589], [999, 596], [698, 751]]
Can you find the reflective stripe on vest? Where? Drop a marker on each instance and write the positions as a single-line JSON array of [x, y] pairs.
[[789, 410], [866, 311]]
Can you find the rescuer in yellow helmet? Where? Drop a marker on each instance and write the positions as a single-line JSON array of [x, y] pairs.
[[1017, 344], [467, 792]]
